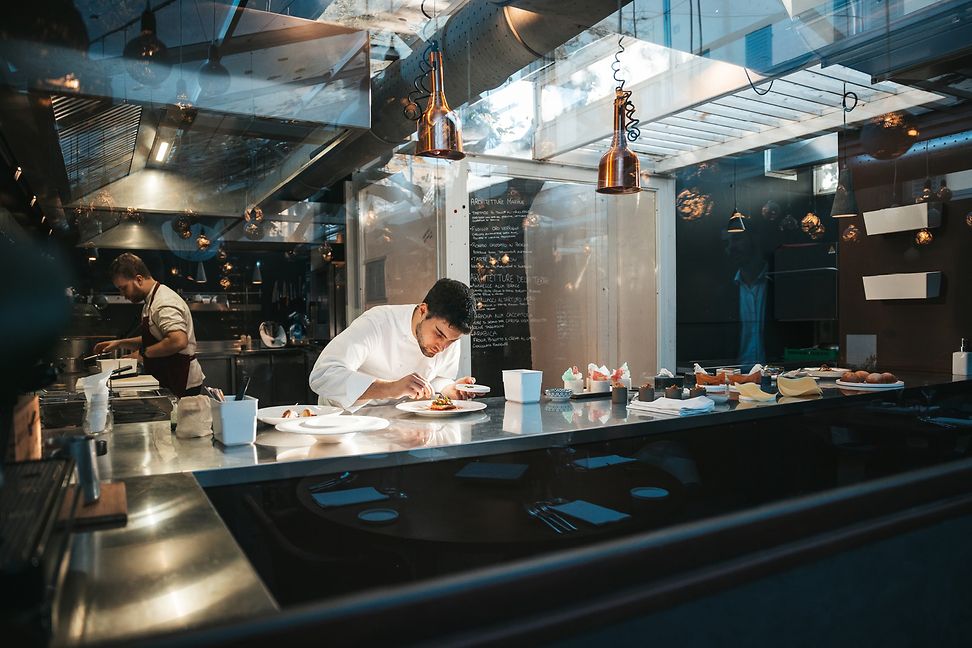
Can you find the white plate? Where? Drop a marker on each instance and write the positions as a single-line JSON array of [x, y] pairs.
[[334, 425], [472, 389], [833, 372], [272, 415], [870, 386], [422, 408], [715, 389]]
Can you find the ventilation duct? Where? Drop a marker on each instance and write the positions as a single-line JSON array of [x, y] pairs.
[[484, 43]]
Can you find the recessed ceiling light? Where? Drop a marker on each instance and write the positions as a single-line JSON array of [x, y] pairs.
[[163, 149]]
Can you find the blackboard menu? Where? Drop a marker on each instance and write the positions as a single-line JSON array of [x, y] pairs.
[[501, 340]]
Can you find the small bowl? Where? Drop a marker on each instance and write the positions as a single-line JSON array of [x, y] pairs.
[[558, 394]]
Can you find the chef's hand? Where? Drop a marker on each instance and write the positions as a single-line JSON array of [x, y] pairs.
[[107, 345], [455, 394], [413, 386]]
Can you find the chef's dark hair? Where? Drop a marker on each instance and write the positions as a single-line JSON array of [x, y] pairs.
[[128, 265], [452, 301]]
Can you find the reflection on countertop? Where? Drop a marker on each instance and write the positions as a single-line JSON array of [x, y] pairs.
[[151, 448]]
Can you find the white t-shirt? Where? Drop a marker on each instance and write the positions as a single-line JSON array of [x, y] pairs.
[[379, 344], [168, 312]]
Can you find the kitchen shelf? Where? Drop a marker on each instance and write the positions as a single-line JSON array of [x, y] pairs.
[[912, 285], [903, 218]]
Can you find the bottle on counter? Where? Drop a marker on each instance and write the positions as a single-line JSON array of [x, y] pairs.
[[962, 360]]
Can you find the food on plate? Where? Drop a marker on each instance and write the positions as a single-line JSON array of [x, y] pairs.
[[737, 379], [706, 379], [293, 413], [442, 404], [872, 378], [824, 367]]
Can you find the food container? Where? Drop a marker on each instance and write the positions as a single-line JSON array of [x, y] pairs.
[[662, 382], [235, 422], [619, 394], [598, 386], [522, 385], [111, 364], [646, 394], [576, 386], [673, 391]]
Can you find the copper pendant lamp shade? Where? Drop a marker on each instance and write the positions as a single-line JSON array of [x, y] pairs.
[[737, 223], [439, 132], [619, 171]]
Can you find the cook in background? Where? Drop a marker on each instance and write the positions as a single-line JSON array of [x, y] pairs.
[[167, 344], [391, 352]]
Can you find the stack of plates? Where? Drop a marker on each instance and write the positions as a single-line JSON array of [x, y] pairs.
[[333, 429]]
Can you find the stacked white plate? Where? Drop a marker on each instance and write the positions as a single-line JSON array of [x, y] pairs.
[[274, 415], [333, 429]]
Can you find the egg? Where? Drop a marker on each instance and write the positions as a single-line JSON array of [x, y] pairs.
[[862, 375], [874, 378], [850, 376], [888, 378]]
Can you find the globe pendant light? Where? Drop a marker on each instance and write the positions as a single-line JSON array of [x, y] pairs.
[[737, 222], [845, 204], [619, 171], [147, 56], [439, 132], [214, 78]]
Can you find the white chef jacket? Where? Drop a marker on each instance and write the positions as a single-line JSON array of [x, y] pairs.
[[167, 312], [379, 344]]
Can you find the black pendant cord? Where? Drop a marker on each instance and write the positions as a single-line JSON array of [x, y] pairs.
[[846, 109], [631, 131], [413, 110], [735, 205]]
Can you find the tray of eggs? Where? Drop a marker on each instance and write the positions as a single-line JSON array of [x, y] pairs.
[[868, 380]]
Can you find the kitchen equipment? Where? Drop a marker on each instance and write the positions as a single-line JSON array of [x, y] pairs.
[[235, 421], [523, 385], [71, 352]]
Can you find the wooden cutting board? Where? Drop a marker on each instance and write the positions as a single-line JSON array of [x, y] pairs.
[[111, 509]]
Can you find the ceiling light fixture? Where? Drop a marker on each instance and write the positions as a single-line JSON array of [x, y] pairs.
[[17, 173], [200, 273], [183, 101], [213, 78], [257, 275], [619, 171], [161, 152], [439, 131], [845, 204], [147, 56], [33, 200], [737, 221]]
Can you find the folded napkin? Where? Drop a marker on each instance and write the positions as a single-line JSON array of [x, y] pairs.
[[751, 391], [798, 386], [674, 406], [590, 513]]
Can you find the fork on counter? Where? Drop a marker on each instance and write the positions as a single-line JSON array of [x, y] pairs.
[[550, 518]]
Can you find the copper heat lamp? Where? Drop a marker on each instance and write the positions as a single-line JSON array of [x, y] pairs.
[[619, 171], [439, 132]]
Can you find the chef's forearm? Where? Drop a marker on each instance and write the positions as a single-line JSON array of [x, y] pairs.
[[171, 344], [130, 343], [378, 390]]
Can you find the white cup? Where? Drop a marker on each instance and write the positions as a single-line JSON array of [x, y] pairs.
[[522, 385], [576, 386], [600, 386]]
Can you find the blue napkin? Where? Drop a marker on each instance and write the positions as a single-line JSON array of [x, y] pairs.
[[590, 513], [348, 496], [492, 471], [590, 463]]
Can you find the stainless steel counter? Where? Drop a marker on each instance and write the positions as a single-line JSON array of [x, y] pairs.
[[175, 565], [151, 448]]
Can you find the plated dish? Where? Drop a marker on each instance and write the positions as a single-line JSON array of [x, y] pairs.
[[284, 413], [870, 386], [824, 371], [428, 407]]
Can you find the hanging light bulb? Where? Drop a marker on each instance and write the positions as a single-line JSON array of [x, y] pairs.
[[222, 254], [851, 235], [923, 237], [845, 204], [225, 283], [326, 253], [213, 78], [737, 222], [944, 193], [200, 273], [203, 241], [92, 253], [619, 170], [147, 56], [439, 131], [926, 195], [227, 267], [257, 275], [182, 95]]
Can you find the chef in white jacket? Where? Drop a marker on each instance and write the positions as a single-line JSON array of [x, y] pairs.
[[390, 352]]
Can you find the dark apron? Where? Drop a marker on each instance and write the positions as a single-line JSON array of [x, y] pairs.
[[172, 371]]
